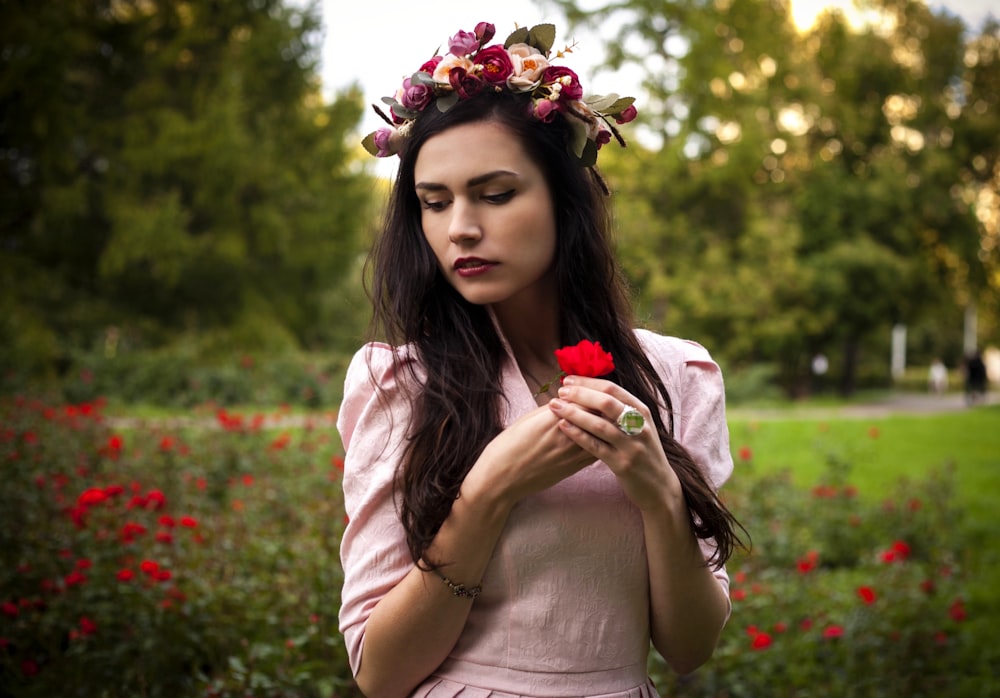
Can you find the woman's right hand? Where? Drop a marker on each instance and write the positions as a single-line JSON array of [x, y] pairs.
[[529, 456]]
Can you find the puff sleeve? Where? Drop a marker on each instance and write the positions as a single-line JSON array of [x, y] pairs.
[[694, 381], [373, 422]]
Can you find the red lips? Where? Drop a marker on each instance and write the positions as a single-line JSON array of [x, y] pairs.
[[472, 266]]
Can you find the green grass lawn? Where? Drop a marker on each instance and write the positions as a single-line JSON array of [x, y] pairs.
[[882, 451]]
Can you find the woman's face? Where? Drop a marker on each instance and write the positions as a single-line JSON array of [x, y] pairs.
[[487, 214]]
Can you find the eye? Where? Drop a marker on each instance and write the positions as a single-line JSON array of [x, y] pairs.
[[500, 198], [434, 205]]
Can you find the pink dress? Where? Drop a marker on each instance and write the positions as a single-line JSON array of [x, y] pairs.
[[564, 609]]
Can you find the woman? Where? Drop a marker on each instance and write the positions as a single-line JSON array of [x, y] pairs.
[[511, 535]]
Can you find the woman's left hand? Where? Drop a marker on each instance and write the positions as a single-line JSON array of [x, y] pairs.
[[588, 411]]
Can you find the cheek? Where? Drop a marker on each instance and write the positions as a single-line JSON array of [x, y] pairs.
[[435, 245]]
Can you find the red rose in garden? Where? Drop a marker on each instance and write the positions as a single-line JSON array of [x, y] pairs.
[[155, 500], [29, 667], [867, 595], [585, 359], [761, 641], [131, 530], [74, 578], [92, 497], [87, 626]]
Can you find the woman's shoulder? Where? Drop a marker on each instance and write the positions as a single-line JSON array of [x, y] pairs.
[[672, 351], [379, 362], [379, 382]]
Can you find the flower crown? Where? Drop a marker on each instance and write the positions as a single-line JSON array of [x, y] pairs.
[[522, 65]]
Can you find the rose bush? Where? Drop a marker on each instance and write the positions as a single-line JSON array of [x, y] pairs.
[[840, 594], [201, 559], [168, 562]]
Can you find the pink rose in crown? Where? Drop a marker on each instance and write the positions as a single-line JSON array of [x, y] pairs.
[[545, 110], [382, 143], [529, 66], [442, 71], [485, 32], [463, 43], [627, 114], [415, 97]]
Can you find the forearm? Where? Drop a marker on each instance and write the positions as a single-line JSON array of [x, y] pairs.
[[688, 606], [414, 627]]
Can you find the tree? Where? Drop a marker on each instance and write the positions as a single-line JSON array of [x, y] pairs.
[[171, 169], [812, 189]]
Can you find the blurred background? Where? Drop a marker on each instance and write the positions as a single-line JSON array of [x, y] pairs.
[[812, 190]]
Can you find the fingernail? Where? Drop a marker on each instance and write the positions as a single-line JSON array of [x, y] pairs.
[[555, 404], [569, 380]]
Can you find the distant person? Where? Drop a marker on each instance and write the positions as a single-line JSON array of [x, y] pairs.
[[975, 379], [937, 377], [820, 365]]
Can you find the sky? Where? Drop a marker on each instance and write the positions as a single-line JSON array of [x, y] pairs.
[[375, 43]]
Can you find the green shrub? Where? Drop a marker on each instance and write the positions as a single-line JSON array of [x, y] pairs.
[[840, 595], [182, 377], [198, 556], [168, 562]]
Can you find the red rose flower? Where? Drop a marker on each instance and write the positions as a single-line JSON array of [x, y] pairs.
[[867, 595], [571, 89], [430, 65], [585, 359], [464, 84], [496, 64], [87, 626]]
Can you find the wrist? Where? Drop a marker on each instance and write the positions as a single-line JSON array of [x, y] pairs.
[[486, 495]]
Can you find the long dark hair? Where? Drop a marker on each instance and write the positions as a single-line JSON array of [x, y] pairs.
[[456, 409]]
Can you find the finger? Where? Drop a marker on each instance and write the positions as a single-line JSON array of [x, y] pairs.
[[601, 397], [593, 423]]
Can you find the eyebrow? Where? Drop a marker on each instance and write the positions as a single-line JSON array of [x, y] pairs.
[[473, 182]]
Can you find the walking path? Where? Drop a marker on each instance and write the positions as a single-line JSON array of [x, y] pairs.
[[894, 403]]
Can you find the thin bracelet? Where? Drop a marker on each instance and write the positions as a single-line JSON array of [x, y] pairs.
[[461, 590]]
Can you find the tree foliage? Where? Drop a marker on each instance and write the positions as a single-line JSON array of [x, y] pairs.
[[170, 169], [810, 189]]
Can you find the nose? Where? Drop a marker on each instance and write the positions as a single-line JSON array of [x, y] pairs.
[[464, 225]]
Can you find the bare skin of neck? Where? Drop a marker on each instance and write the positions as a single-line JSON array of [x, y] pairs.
[[533, 335]]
